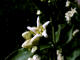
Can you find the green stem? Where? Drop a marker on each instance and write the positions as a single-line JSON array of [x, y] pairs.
[[53, 35], [52, 27], [54, 56]]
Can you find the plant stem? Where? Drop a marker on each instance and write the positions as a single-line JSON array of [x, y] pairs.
[[54, 56]]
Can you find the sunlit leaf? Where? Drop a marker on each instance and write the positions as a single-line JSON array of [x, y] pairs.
[[69, 35], [20, 54], [58, 33]]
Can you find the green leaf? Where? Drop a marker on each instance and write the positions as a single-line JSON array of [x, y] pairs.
[[74, 55], [42, 47], [58, 33], [20, 54], [69, 35]]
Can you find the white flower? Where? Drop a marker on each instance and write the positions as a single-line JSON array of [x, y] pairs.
[[34, 48], [36, 57], [75, 31], [40, 29], [70, 14], [59, 51], [59, 55], [36, 32], [67, 3], [38, 12]]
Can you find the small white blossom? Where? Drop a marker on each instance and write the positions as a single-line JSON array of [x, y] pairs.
[[38, 12], [70, 14], [59, 51], [59, 55], [36, 57], [75, 31], [67, 3], [40, 29], [34, 48]]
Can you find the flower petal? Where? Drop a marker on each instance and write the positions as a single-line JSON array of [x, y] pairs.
[[26, 35], [73, 10], [33, 29], [27, 44], [35, 39], [45, 34], [38, 22], [75, 31], [45, 24]]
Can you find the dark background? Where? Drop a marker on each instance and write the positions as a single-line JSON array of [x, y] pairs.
[[15, 17]]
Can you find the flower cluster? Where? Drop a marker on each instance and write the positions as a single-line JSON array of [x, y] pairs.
[[32, 37], [70, 14]]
